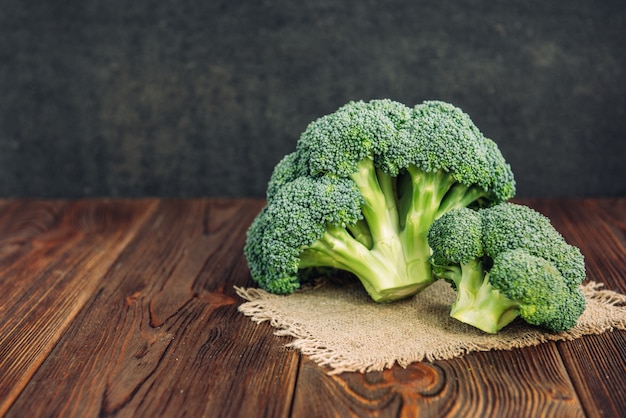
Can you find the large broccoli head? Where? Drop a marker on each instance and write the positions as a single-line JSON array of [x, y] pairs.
[[361, 190], [508, 261]]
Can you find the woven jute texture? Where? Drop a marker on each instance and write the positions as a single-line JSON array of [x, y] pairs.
[[339, 327]]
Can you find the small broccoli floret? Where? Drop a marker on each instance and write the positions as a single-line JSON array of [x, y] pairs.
[[505, 262], [538, 289], [362, 189], [287, 170], [306, 217]]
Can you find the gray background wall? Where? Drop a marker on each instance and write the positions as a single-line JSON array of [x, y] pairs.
[[203, 97]]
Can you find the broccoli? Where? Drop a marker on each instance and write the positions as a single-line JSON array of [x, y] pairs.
[[361, 190], [508, 261]]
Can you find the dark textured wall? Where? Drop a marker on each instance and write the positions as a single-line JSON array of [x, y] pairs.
[[203, 97]]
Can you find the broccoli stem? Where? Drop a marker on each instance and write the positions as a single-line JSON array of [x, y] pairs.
[[420, 200], [382, 269], [459, 196], [382, 219], [361, 232], [478, 303], [409, 253]]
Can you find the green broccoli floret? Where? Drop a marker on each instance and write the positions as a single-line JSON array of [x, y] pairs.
[[361, 190], [508, 261]]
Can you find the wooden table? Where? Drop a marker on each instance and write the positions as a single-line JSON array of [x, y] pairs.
[[127, 308]]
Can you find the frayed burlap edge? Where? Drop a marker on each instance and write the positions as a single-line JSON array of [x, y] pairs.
[[605, 312]]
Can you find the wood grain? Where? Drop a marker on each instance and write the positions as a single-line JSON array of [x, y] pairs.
[[491, 384], [597, 366], [56, 254], [127, 308], [162, 337]]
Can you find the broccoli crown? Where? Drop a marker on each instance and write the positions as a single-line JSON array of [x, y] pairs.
[[287, 170], [459, 148], [336, 143], [545, 298], [432, 136], [526, 266], [361, 190], [297, 218], [457, 237], [510, 226]]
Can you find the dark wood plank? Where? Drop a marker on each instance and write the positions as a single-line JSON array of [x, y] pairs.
[[162, 335], [21, 222], [597, 364], [54, 254], [494, 384], [127, 308], [529, 382]]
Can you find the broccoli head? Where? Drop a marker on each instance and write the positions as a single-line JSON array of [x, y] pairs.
[[508, 261], [361, 190]]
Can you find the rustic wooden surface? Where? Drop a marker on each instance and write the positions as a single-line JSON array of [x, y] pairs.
[[127, 308]]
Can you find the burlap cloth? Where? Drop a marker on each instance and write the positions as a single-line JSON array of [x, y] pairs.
[[340, 327]]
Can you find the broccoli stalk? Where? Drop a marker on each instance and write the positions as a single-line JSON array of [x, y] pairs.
[[400, 267], [384, 277], [477, 303], [367, 241], [505, 262], [361, 190]]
